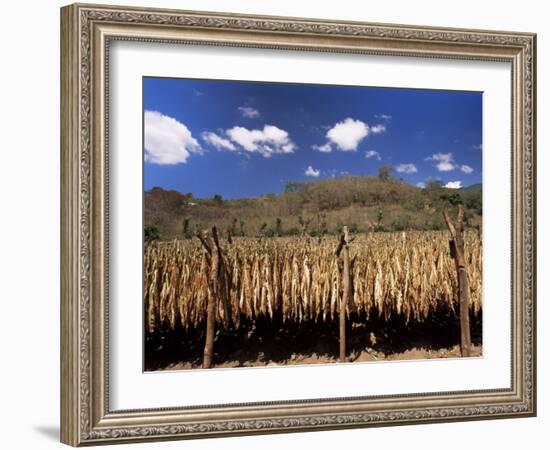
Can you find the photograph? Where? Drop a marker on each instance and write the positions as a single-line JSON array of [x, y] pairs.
[[340, 207], [291, 223]]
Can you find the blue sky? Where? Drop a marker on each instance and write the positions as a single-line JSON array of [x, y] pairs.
[[243, 139]]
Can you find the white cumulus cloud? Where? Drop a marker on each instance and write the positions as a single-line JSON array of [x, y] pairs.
[[249, 112], [311, 172], [453, 185], [372, 154], [325, 148], [378, 129], [268, 141], [406, 168], [347, 134], [217, 141], [167, 141], [466, 169], [444, 161], [421, 185]]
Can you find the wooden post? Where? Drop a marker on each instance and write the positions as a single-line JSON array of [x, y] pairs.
[[457, 247], [343, 248], [222, 287], [214, 257]]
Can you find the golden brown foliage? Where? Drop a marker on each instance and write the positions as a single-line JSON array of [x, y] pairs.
[[393, 274]]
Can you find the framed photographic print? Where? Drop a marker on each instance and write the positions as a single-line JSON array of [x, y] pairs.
[[276, 224]]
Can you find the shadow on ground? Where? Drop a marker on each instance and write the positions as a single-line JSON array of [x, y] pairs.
[[51, 432], [268, 341]]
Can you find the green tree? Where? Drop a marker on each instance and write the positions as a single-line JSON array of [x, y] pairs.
[[322, 224], [151, 233], [293, 186], [453, 198], [473, 200], [433, 185], [304, 223], [279, 227], [293, 231], [379, 217], [233, 227], [385, 173], [401, 223], [185, 231]]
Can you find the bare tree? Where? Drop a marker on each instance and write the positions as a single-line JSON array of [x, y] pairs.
[[457, 252], [346, 275]]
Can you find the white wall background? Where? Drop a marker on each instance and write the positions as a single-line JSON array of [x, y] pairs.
[[29, 224]]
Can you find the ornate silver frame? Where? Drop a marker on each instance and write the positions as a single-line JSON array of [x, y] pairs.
[[86, 31]]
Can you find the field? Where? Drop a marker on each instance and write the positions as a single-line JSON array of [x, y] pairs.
[[403, 285]]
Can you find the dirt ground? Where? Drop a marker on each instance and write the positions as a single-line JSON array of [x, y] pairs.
[[273, 343], [365, 355]]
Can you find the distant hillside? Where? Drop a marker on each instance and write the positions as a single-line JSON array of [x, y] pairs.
[[476, 188], [363, 203]]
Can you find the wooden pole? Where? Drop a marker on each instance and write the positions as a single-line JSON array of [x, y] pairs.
[[343, 248], [214, 257], [456, 230]]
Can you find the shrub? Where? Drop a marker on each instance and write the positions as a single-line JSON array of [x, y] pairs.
[[293, 231], [151, 233], [401, 223], [353, 228]]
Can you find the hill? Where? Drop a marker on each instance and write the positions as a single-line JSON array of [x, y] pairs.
[[363, 203], [476, 188]]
